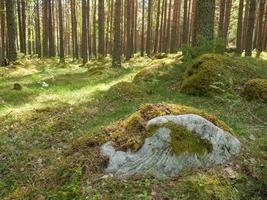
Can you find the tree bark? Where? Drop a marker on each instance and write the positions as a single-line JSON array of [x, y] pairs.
[[240, 27], [250, 29], [61, 32], [149, 18], [84, 32], [101, 29]]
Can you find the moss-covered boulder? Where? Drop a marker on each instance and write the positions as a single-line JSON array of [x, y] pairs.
[[256, 89], [130, 134], [214, 73], [176, 142]]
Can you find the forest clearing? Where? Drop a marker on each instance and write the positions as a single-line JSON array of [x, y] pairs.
[[117, 99]]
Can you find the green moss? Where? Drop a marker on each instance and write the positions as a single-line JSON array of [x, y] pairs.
[[131, 132], [256, 89], [215, 73], [183, 141]]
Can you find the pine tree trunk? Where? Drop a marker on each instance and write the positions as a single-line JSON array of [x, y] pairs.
[[245, 26], [157, 28], [143, 29], [264, 31], [116, 62], [11, 30], [250, 29], [128, 24], [89, 29], [185, 23], [240, 27], [149, 18], [260, 28], [204, 20], [74, 30], [221, 19], [227, 19], [101, 29], [23, 26], [94, 30], [37, 29], [45, 29], [3, 30], [61, 32], [168, 30], [84, 32]]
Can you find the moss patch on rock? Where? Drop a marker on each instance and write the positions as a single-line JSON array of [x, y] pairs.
[[183, 141], [129, 134], [256, 89], [215, 73]]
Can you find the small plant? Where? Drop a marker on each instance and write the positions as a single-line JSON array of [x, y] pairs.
[[203, 46]]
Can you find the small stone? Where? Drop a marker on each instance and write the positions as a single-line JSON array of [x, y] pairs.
[[252, 137]]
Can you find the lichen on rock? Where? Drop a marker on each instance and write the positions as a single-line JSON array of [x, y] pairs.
[[256, 89], [176, 142]]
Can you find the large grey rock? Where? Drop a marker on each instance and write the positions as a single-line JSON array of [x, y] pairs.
[[156, 158]]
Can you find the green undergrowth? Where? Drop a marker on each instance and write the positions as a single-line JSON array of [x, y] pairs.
[[256, 89], [52, 129], [219, 74]]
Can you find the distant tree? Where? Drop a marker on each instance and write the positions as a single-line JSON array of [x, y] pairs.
[[221, 19], [227, 18], [61, 32], [45, 28], [250, 28], [11, 30], [204, 20], [149, 24], [143, 29], [74, 30], [52, 51], [128, 53], [3, 30], [101, 28], [259, 38], [240, 27], [116, 62], [37, 28], [94, 30], [157, 27], [185, 22], [84, 32]]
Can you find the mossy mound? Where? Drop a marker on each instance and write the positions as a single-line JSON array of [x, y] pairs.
[[129, 134], [256, 89], [214, 73], [125, 91]]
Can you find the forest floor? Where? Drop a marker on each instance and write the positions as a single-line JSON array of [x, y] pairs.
[[60, 106]]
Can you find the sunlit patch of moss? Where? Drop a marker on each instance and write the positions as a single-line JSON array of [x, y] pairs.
[[126, 91], [256, 89], [183, 141], [212, 73], [131, 133]]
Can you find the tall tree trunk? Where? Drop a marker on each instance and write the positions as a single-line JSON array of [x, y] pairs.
[[245, 26], [29, 32], [149, 23], [94, 29], [37, 29], [143, 29], [89, 29], [204, 20], [227, 19], [162, 26], [264, 31], [185, 23], [61, 31], [157, 28], [51, 30], [260, 29], [174, 27], [240, 27], [11, 30], [129, 21], [84, 32], [45, 29], [250, 29], [3, 32], [168, 30], [101, 29], [23, 26], [74, 30], [221, 19], [116, 62]]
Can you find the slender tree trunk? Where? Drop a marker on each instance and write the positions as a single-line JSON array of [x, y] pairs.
[[3, 30], [37, 29], [23, 27], [162, 26], [221, 19], [250, 29], [168, 30], [264, 31], [157, 28], [11, 30], [240, 27], [185, 23], [227, 19], [149, 23], [45, 29], [84, 32], [116, 62], [89, 29], [101, 29], [29, 33], [245, 26], [94, 30], [143, 29], [74, 30], [260, 29], [61, 31], [129, 21]]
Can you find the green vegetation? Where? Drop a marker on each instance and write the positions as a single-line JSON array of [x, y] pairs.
[[218, 74], [256, 89], [51, 131], [183, 141]]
